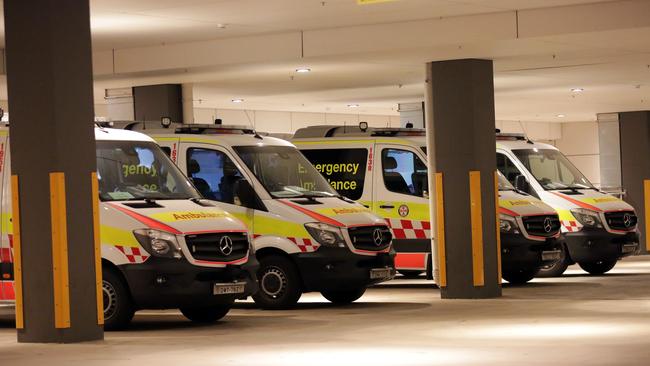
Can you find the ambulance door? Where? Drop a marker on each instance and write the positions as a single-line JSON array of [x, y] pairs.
[[170, 146], [347, 166], [6, 256], [401, 197], [216, 174]]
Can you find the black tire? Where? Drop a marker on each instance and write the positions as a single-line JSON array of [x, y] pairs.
[[118, 305], [342, 297], [558, 268], [280, 284], [519, 277], [410, 273], [598, 267], [206, 315]]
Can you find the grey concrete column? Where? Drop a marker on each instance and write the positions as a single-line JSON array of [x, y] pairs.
[[461, 143], [49, 77], [635, 163], [187, 91]]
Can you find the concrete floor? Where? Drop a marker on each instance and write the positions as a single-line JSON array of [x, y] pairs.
[[574, 320]]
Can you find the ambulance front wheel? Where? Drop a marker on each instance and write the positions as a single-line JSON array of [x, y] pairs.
[[410, 273], [342, 297], [598, 267], [206, 315], [280, 285], [118, 306]]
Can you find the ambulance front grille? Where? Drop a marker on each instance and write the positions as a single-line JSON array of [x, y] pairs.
[[621, 220], [541, 225], [217, 247], [367, 237]]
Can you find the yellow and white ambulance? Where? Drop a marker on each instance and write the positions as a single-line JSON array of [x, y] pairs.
[[598, 228], [162, 246], [386, 170], [307, 237]]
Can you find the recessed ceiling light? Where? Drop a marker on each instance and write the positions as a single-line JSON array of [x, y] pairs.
[[237, 100], [221, 26], [577, 90], [353, 106], [561, 116], [303, 70]]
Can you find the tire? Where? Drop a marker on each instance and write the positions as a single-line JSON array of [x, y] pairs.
[[280, 284], [410, 273], [598, 267], [206, 315], [519, 277], [343, 297], [558, 268], [118, 305]]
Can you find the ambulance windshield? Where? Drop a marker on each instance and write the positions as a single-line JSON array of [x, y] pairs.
[[552, 169], [504, 185], [137, 170], [285, 172]]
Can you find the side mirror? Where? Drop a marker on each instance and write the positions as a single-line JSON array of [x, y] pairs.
[[521, 184], [245, 194]]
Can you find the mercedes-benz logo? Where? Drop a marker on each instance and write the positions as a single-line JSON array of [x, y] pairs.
[[627, 220], [548, 225], [378, 237], [225, 245]]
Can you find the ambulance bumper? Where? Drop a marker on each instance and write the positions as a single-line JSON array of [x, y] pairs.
[[519, 253], [591, 245], [162, 283], [340, 269]]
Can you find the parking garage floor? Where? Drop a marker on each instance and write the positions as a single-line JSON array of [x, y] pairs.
[[574, 320]]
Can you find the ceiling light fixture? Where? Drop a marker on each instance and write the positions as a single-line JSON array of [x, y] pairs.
[[237, 100], [221, 26], [353, 106], [577, 90], [561, 116], [302, 70]]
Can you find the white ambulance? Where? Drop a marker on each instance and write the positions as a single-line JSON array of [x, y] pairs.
[[392, 181], [162, 246], [306, 236], [598, 228]]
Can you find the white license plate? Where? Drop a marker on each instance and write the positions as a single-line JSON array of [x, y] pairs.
[[551, 255], [228, 288], [380, 273], [628, 248]]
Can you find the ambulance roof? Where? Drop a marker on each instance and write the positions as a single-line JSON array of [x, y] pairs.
[[228, 139], [523, 145], [112, 134], [408, 136]]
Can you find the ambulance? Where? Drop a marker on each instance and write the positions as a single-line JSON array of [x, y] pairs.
[[385, 170], [307, 237], [599, 228], [162, 246]]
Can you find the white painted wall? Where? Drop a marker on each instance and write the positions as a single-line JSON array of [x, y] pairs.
[[579, 142], [288, 122]]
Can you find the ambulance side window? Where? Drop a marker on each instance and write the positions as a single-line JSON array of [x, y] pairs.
[[404, 172], [507, 167], [344, 169], [213, 174]]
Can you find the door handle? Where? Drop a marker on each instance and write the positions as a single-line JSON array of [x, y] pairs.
[[386, 206]]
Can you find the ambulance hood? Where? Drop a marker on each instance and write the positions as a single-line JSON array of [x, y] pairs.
[[177, 216], [512, 203], [329, 210], [588, 199]]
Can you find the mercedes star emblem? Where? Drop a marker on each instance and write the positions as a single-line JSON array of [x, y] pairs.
[[225, 245], [548, 225], [627, 220], [377, 237]]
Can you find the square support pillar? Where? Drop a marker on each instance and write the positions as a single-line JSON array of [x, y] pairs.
[[462, 164], [53, 161]]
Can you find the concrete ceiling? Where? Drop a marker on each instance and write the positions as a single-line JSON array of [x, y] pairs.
[[374, 55]]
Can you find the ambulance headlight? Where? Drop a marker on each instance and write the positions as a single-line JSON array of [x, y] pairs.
[[326, 235], [159, 243], [586, 217], [508, 224]]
